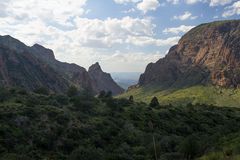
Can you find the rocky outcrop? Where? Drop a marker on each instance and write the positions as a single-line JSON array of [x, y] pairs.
[[36, 66], [208, 54], [20, 68], [103, 81], [75, 74]]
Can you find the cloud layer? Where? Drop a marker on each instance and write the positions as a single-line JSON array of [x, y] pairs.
[[137, 31], [78, 39]]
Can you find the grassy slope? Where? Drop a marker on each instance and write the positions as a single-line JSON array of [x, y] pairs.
[[196, 94]]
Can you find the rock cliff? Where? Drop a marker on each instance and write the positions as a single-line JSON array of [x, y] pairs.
[[36, 66], [207, 54], [103, 81]]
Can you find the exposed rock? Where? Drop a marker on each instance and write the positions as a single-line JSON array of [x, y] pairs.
[[103, 81], [36, 66], [208, 54], [75, 74], [19, 67]]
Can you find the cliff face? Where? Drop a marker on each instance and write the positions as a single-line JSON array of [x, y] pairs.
[[36, 66], [19, 67], [102, 80], [208, 54], [74, 74]]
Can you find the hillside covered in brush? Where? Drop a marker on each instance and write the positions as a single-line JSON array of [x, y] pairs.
[[76, 126]]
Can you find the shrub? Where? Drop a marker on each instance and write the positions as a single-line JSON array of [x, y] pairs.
[[86, 153], [189, 148], [4, 94], [154, 103], [72, 91], [42, 90]]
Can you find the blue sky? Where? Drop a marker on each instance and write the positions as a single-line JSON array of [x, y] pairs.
[[123, 35]]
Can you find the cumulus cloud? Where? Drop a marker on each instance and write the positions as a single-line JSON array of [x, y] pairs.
[[81, 40], [219, 2], [173, 1], [232, 10], [59, 11], [177, 30], [145, 41], [129, 11], [126, 1], [106, 33], [147, 5], [193, 1], [211, 3], [142, 5], [140, 59], [186, 15]]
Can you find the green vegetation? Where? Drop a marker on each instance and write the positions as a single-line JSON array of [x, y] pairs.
[[81, 127], [195, 95]]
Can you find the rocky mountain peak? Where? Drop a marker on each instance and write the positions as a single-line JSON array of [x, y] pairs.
[[102, 80], [207, 54], [12, 43], [43, 52], [36, 66], [95, 67]]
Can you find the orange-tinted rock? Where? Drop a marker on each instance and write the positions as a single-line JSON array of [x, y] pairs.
[[209, 53]]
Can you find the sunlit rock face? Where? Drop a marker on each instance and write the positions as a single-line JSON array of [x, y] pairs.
[[207, 54]]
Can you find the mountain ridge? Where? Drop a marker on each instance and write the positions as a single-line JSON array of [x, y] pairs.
[[204, 55], [202, 68], [102, 80], [36, 66]]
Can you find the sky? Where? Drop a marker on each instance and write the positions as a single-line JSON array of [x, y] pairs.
[[122, 35]]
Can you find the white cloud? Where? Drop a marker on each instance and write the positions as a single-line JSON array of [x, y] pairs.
[[232, 10], [177, 30], [219, 2], [142, 5], [140, 59], [193, 1], [145, 41], [186, 15], [211, 3], [105, 33], [147, 5], [129, 11], [59, 11], [126, 1], [173, 1], [60, 25]]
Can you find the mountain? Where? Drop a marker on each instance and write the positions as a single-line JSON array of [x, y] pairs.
[[102, 80], [19, 67], [75, 74], [204, 67], [36, 66], [208, 54]]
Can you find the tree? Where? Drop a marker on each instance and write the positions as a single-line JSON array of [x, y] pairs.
[[72, 91], [131, 99], [42, 90], [154, 103], [86, 153], [102, 94], [4, 94], [109, 94], [190, 147]]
